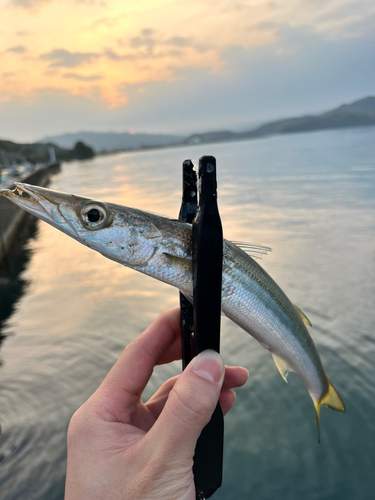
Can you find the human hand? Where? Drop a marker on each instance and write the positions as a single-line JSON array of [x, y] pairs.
[[122, 449]]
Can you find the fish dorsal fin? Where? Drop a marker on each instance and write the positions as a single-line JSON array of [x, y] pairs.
[[281, 366], [255, 251], [303, 316]]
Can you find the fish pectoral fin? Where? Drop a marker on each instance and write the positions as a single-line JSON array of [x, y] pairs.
[[255, 251], [174, 260], [330, 399], [303, 316], [282, 366]]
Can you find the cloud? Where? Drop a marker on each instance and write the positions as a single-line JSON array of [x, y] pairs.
[[51, 72], [119, 57], [303, 72], [148, 32], [145, 39], [268, 25], [8, 74], [101, 3], [65, 59], [149, 38], [108, 22], [140, 55], [28, 4], [346, 11], [153, 44], [23, 33], [298, 69], [175, 53], [61, 58], [19, 49], [363, 27], [82, 78], [178, 41]]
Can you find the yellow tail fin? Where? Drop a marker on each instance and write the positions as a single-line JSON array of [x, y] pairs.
[[330, 399]]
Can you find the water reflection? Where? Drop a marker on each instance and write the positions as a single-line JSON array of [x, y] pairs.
[[12, 283], [311, 198]]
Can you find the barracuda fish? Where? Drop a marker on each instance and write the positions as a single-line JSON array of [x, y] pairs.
[[161, 248]]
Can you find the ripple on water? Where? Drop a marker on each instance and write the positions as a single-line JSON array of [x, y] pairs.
[[298, 194]]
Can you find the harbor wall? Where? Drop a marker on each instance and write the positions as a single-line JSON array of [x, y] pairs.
[[11, 216]]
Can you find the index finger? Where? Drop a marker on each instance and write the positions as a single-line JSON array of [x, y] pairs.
[[120, 391]]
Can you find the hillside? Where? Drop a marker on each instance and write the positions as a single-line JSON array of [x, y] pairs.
[[114, 141], [360, 113], [39, 153]]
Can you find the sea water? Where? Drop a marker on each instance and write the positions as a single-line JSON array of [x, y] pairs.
[[66, 313]]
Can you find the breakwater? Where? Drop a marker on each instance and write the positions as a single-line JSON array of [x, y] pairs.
[[11, 216]]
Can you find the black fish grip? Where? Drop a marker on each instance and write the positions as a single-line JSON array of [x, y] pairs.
[[201, 320]]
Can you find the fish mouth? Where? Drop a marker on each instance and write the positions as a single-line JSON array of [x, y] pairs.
[[25, 197], [33, 199]]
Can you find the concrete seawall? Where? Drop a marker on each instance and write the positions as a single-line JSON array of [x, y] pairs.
[[11, 216]]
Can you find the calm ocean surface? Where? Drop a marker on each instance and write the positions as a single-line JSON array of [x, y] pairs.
[[66, 313]]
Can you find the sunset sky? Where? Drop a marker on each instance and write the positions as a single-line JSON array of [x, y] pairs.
[[178, 66]]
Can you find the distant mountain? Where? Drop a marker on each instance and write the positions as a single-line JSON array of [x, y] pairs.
[[114, 141], [366, 106], [357, 114], [219, 136]]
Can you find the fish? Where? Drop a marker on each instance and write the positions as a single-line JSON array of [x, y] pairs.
[[162, 248]]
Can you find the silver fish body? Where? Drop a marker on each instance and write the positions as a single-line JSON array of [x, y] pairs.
[[161, 248], [250, 298]]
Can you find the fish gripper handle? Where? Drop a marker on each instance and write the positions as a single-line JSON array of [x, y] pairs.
[[187, 213], [207, 246]]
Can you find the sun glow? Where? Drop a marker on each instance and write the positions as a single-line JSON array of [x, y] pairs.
[[108, 50], [148, 63]]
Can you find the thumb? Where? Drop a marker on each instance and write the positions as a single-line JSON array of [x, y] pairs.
[[190, 404]]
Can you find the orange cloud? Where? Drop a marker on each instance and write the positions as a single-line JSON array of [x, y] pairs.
[[115, 44], [65, 59], [19, 49], [28, 4]]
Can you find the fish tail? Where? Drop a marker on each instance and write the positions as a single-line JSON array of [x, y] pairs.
[[330, 399]]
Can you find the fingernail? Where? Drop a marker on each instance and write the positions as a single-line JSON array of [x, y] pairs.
[[209, 365]]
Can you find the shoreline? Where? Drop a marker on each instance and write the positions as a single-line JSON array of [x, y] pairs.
[[11, 216]]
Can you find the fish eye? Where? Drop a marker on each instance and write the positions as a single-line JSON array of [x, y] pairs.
[[93, 216]]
